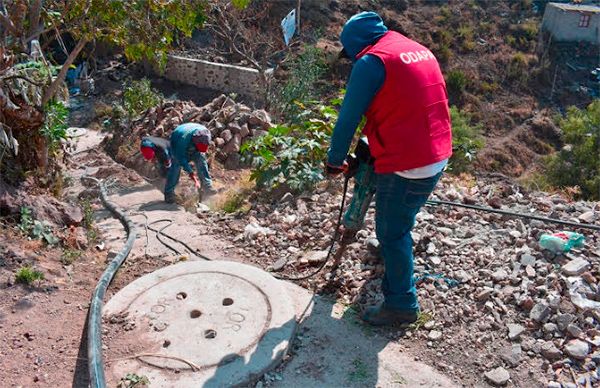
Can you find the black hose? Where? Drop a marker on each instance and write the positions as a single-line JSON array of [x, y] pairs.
[[94, 338], [514, 214], [160, 232], [333, 240]]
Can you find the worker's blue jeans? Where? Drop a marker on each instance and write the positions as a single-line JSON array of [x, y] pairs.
[[201, 166], [398, 201]]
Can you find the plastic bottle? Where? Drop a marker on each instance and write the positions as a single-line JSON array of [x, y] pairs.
[[561, 242]]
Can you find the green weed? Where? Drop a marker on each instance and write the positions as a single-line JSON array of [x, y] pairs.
[[422, 319], [69, 256], [26, 221], [360, 371], [132, 380], [457, 82], [577, 164], [139, 96], [466, 141], [234, 203], [55, 124], [27, 275]]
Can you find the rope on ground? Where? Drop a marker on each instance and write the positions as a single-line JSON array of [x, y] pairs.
[[436, 277], [192, 365]]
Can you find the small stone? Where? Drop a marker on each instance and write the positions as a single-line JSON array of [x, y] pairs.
[[434, 335], [279, 264], [484, 294], [498, 376], [499, 275], [314, 257], [575, 267], [550, 351], [511, 354], [202, 208], [550, 328], [577, 349], [530, 271], [372, 245], [540, 312], [514, 331], [553, 384], [587, 217], [527, 259], [563, 320], [226, 135], [515, 234], [434, 260], [574, 331], [449, 242]]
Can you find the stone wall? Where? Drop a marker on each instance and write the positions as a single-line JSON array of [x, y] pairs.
[[216, 76]]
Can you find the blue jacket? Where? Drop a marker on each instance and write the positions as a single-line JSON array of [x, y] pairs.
[[366, 78], [182, 146]]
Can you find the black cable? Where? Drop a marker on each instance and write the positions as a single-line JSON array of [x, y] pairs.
[[94, 339], [514, 214], [160, 232], [333, 240]]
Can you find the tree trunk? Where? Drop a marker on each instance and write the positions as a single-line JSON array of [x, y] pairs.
[[50, 92]]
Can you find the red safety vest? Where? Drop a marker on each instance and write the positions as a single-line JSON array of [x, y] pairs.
[[408, 121]]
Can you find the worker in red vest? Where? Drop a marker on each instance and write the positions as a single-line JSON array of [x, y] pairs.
[[398, 85]]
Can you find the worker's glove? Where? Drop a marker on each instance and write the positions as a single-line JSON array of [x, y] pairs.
[[335, 170], [195, 179]]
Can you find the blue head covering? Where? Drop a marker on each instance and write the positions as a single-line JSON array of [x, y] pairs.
[[360, 31]]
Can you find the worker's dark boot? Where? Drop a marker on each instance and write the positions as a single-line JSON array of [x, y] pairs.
[[170, 198], [208, 191], [385, 316]]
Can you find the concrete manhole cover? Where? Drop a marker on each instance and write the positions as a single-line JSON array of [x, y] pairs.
[[231, 321]]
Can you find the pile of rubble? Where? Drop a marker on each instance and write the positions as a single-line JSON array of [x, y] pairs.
[[230, 124], [500, 307]]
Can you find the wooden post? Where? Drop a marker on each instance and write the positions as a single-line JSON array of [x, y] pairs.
[[298, 17]]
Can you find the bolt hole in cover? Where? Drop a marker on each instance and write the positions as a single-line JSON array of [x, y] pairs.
[[210, 334], [229, 309]]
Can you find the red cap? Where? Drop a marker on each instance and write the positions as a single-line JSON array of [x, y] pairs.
[[201, 147], [147, 153]]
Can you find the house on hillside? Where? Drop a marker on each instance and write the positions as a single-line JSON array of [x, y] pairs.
[[572, 22]]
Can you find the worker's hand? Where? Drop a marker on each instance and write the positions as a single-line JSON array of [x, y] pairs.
[[335, 170], [168, 164], [195, 179]]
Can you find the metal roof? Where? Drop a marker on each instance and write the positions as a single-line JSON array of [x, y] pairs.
[[576, 7]]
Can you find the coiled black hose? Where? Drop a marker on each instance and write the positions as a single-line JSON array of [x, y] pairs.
[[94, 338]]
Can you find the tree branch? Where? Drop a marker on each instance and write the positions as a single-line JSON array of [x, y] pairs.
[[60, 78], [35, 10], [15, 76], [8, 24]]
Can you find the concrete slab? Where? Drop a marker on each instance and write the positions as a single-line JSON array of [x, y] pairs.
[[335, 349], [232, 321]]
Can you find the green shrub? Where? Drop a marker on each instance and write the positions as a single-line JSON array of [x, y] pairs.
[[234, 203], [139, 96], [457, 82], [518, 69], [578, 164], [292, 154], [300, 86], [466, 141], [55, 124], [26, 221], [27, 275]]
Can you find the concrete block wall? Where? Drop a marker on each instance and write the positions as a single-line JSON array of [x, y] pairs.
[[217, 76]]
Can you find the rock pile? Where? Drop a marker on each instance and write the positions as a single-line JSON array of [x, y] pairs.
[[230, 124], [500, 306]]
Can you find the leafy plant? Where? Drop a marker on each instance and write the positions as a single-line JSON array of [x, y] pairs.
[[466, 141], [26, 222], [55, 124], [300, 87], [457, 82], [234, 203], [43, 231], [139, 96], [360, 371], [132, 380], [578, 164], [517, 69], [69, 256], [292, 154], [27, 275]]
